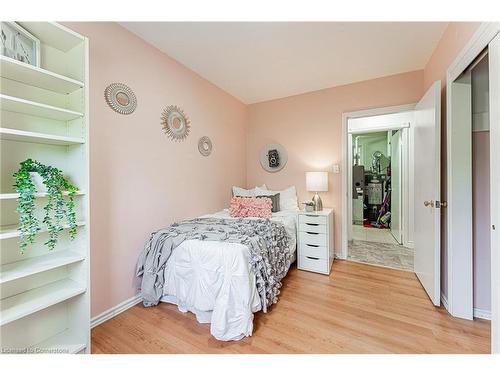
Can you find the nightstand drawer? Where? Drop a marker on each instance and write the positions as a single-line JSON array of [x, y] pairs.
[[315, 228], [313, 238], [313, 251], [313, 219], [313, 264]]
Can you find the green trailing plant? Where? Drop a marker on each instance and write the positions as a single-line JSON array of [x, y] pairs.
[[55, 211]]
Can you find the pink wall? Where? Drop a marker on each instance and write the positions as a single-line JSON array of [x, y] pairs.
[[140, 180], [454, 39], [309, 126]]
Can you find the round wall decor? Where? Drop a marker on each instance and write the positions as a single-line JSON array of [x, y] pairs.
[[273, 157], [205, 146], [175, 123], [120, 98]]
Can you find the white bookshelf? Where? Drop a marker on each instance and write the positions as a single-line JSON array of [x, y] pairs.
[[45, 294], [38, 77], [28, 107], [8, 196], [54, 34], [34, 137], [30, 266], [34, 300], [10, 231], [66, 342]]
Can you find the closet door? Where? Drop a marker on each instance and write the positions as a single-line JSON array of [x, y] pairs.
[[494, 78]]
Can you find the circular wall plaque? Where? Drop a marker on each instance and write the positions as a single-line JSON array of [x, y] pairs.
[[205, 146], [273, 157], [120, 98]]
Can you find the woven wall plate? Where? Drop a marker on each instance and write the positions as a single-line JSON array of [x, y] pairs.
[[120, 98], [175, 123], [205, 146]]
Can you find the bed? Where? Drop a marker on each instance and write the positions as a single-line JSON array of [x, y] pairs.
[[215, 281]]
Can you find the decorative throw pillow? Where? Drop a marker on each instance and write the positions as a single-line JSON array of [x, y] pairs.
[[288, 197], [275, 198], [240, 192], [251, 207]]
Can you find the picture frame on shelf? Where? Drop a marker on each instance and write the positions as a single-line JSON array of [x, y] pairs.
[[18, 44]]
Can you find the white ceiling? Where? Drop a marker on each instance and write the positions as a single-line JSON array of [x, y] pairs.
[[259, 61]]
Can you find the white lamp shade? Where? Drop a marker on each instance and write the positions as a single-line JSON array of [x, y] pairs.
[[317, 181]]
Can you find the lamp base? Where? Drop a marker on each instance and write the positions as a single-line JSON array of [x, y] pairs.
[[318, 204]]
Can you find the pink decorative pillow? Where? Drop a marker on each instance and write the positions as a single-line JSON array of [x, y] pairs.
[[251, 207]]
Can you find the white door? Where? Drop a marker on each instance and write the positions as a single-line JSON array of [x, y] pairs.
[[396, 202], [427, 190], [494, 67]]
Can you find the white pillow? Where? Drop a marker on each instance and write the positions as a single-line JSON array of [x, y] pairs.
[[240, 192], [288, 197]]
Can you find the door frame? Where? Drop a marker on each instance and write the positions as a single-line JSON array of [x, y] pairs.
[[457, 263], [402, 137], [347, 161], [494, 81]]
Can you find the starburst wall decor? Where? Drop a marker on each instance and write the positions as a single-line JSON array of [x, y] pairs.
[[175, 123]]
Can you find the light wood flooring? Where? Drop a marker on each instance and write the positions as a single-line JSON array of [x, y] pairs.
[[357, 309]]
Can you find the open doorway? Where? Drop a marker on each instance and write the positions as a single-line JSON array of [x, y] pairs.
[[420, 126], [380, 209]]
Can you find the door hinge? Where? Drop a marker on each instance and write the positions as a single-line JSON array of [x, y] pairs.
[[441, 204]]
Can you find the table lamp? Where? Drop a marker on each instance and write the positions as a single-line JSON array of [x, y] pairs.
[[317, 181]]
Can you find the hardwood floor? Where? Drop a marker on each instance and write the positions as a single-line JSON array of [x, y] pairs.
[[357, 309]]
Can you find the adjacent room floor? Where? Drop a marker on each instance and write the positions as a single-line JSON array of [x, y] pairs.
[[357, 309], [362, 233], [378, 247]]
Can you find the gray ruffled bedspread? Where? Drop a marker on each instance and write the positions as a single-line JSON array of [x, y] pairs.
[[267, 241]]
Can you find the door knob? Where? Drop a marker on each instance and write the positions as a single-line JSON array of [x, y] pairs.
[[429, 203]]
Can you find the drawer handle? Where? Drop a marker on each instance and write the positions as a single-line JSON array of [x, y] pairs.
[[311, 233], [314, 225], [311, 245], [312, 215], [313, 258]]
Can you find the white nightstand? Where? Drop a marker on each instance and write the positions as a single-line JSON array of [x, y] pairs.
[[315, 241]]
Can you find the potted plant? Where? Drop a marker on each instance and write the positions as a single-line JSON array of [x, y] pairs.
[[57, 208]]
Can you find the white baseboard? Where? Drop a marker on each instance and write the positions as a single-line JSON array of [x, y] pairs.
[[478, 313], [482, 314], [444, 301], [410, 244], [108, 314]]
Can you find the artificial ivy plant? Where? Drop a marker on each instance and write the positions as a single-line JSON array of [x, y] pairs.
[[56, 210]]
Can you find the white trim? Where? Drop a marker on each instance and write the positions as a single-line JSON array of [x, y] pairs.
[[407, 206], [444, 301], [379, 128], [114, 311], [459, 195], [482, 314], [478, 313], [346, 172], [479, 41], [494, 83]]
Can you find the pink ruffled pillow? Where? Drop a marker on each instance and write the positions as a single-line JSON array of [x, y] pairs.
[[251, 207]]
